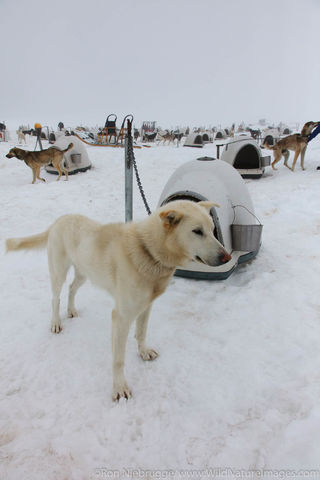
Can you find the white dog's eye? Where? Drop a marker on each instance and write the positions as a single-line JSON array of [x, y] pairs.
[[198, 231]]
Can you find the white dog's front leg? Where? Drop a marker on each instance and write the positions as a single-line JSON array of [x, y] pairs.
[[141, 332], [120, 330]]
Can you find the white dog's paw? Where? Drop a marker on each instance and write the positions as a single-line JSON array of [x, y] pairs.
[[148, 354], [122, 391], [56, 327], [72, 312]]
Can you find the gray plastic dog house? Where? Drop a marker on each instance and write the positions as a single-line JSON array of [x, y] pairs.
[[76, 160], [236, 226], [244, 154]]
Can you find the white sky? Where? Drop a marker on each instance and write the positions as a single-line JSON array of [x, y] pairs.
[[187, 62]]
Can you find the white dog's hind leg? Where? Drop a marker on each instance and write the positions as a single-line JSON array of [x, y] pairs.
[[74, 287], [120, 330], [58, 267], [141, 332]]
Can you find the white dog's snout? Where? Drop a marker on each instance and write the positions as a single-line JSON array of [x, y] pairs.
[[224, 256], [219, 258]]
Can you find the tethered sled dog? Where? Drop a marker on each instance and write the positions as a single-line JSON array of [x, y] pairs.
[[133, 262], [38, 159], [297, 143]]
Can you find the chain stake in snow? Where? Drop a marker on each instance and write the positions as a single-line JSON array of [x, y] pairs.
[[130, 163]]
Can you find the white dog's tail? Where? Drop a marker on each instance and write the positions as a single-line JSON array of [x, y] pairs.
[[27, 243]]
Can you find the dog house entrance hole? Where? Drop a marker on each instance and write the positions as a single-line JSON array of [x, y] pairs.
[[269, 140], [198, 140], [196, 197], [247, 157]]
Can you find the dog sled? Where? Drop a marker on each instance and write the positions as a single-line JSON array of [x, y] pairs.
[[108, 136]]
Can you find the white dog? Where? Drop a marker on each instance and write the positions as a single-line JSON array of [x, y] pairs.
[[133, 262], [21, 136]]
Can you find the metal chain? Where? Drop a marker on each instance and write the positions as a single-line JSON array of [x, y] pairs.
[[134, 163]]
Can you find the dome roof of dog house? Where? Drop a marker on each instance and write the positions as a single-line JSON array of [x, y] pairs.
[[216, 181], [194, 140]]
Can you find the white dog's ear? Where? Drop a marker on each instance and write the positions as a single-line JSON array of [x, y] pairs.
[[208, 205], [170, 218]]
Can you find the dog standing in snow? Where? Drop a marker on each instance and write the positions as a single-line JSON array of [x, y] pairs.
[[133, 262], [297, 143], [21, 137], [38, 159]]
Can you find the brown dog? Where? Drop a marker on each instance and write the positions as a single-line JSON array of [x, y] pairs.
[[35, 160], [297, 143]]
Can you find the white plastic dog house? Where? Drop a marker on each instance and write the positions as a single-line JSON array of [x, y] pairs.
[[244, 153], [235, 223], [207, 137], [220, 134], [270, 136], [75, 160], [194, 140]]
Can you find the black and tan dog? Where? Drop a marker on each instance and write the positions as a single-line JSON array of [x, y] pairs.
[[297, 143], [36, 160]]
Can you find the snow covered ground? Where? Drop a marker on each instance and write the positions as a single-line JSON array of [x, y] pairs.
[[237, 382]]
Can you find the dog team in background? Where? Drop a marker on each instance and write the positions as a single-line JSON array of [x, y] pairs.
[[296, 142]]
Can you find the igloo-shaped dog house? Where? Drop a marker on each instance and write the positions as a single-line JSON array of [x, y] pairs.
[[207, 137], [220, 134], [270, 136], [75, 160], [194, 140], [236, 226], [244, 154]]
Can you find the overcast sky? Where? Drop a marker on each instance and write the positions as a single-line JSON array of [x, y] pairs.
[[187, 62]]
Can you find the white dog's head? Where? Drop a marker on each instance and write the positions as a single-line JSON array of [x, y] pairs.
[[190, 232]]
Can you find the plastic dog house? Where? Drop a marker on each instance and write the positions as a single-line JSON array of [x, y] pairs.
[[220, 134], [244, 153], [207, 137], [236, 226], [75, 160], [270, 136], [194, 140]]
